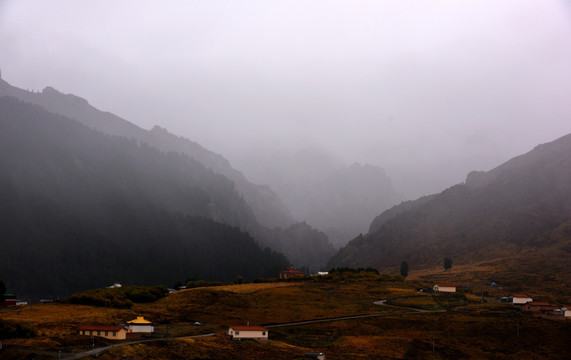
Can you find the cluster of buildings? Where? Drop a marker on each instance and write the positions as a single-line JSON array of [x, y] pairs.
[[11, 300], [141, 325], [538, 308], [118, 332], [543, 309]]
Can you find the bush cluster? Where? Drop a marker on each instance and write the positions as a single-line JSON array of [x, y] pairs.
[[202, 283], [16, 329], [120, 298]]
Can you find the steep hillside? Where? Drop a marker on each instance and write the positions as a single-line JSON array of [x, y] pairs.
[[508, 215], [267, 207], [82, 209], [309, 248], [262, 208]]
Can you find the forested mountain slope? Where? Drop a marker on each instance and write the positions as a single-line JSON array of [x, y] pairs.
[[262, 208], [265, 204], [81, 209], [519, 212]]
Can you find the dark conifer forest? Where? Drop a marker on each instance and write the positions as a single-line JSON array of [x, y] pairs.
[[80, 209]]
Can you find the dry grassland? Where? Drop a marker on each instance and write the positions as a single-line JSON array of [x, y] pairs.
[[250, 288], [451, 335]]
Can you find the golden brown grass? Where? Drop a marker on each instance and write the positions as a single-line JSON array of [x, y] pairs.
[[467, 335], [249, 288]]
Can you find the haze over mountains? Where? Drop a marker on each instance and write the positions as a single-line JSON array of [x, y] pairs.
[[82, 209], [337, 199], [93, 195], [187, 180], [516, 217], [265, 204]]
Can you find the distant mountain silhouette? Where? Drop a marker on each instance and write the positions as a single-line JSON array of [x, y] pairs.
[[265, 204], [82, 209], [339, 200], [309, 247], [243, 208], [518, 212]]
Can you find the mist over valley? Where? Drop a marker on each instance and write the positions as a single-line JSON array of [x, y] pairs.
[[327, 170]]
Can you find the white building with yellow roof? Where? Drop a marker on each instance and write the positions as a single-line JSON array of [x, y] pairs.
[[140, 325]]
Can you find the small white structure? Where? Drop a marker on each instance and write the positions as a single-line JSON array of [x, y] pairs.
[[248, 332], [566, 312], [444, 287], [140, 325], [311, 356], [521, 299]]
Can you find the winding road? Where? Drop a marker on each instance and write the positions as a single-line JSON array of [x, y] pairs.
[[297, 323]]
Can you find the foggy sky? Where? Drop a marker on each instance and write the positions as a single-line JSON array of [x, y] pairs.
[[428, 90]]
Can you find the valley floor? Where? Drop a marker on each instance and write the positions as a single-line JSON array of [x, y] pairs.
[[457, 326]]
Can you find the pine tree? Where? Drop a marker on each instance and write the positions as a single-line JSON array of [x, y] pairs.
[[404, 269], [447, 264]]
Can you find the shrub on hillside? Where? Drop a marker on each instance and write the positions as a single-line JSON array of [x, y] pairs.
[[120, 298], [16, 329], [202, 283], [140, 294], [102, 298]]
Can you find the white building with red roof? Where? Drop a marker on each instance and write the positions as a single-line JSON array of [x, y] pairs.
[[521, 299], [247, 332], [444, 287]]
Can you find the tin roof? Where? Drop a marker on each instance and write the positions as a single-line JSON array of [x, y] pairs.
[[248, 328]]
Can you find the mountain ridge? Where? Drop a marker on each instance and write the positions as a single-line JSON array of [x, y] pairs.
[[260, 202], [266, 205], [84, 209], [522, 206]]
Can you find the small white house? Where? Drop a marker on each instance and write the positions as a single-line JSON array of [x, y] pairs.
[[444, 287], [521, 299], [140, 325], [248, 332], [566, 312]]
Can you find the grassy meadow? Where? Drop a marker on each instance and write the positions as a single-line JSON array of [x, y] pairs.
[[471, 329]]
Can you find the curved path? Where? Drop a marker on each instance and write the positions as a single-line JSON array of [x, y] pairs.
[[297, 323]]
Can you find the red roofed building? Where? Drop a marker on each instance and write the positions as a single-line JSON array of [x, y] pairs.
[[291, 273], [247, 332], [112, 332], [539, 307], [520, 299], [444, 287]]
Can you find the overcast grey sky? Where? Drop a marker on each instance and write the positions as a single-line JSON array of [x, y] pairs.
[[428, 90]]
